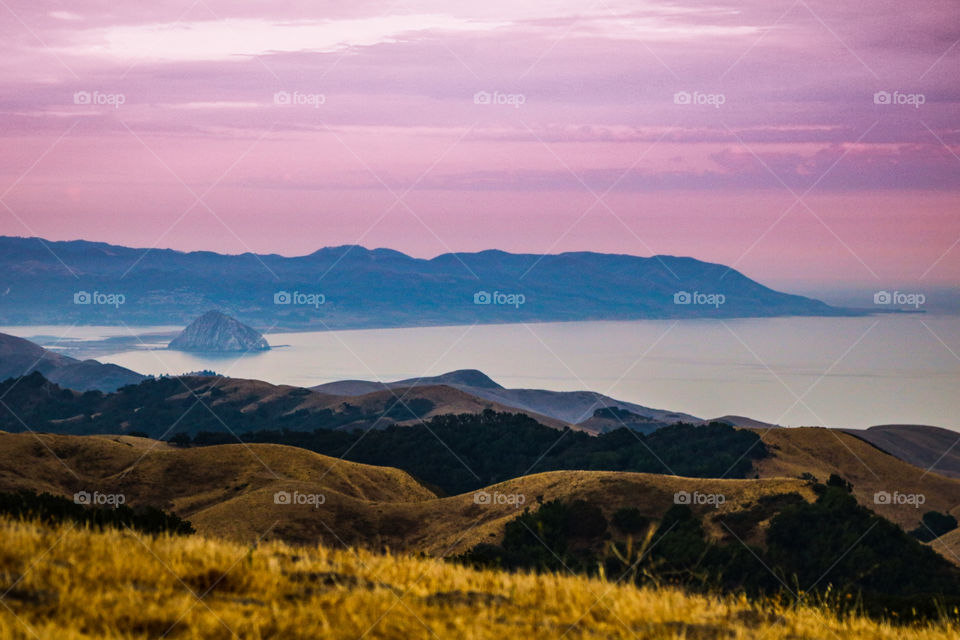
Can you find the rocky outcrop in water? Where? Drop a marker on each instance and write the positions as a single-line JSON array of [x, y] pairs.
[[218, 332]]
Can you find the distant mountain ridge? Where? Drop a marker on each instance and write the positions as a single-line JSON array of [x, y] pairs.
[[574, 407], [460, 377], [354, 287]]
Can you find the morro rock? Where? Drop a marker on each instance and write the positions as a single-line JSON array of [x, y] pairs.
[[215, 331]]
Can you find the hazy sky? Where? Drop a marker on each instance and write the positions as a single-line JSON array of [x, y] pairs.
[[807, 143]]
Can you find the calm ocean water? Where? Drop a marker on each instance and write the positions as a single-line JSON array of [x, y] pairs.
[[842, 372]]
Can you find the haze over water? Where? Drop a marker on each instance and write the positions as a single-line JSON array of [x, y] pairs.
[[846, 372]]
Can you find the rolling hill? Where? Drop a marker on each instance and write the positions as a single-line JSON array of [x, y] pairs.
[[826, 451], [948, 545], [717, 534], [465, 391], [165, 406], [573, 407], [926, 447], [162, 407], [18, 357], [228, 490]]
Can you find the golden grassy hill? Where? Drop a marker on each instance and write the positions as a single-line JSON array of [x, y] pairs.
[[68, 583], [452, 525], [156, 473], [948, 545], [824, 451], [228, 491]]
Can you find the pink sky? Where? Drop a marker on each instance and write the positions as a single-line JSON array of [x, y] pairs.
[[798, 177]]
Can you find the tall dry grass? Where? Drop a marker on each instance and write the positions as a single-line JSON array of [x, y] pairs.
[[66, 583]]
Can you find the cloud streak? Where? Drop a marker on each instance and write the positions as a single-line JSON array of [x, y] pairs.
[[388, 98]]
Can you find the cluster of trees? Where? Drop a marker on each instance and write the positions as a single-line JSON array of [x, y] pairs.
[[460, 453], [830, 546], [38, 401], [933, 525], [51, 509]]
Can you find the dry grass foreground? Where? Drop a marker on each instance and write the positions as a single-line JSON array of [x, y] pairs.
[[67, 583]]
